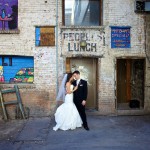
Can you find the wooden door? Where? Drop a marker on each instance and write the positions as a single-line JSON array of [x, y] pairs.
[[121, 81], [130, 80]]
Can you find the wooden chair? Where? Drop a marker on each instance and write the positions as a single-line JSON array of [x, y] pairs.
[[17, 102]]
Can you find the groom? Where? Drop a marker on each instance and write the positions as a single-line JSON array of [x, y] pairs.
[[80, 96]]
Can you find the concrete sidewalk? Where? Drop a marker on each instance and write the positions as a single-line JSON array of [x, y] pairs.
[[106, 133]]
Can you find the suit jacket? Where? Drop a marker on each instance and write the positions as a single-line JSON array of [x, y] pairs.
[[81, 93]]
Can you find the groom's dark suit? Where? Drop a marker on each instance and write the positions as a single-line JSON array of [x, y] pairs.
[[79, 95]]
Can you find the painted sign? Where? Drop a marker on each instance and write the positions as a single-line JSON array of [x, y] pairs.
[[16, 69], [90, 46], [8, 14], [120, 37], [74, 39]]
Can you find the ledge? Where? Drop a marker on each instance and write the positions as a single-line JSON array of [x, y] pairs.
[[82, 56], [118, 27], [82, 27], [20, 85], [9, 31]]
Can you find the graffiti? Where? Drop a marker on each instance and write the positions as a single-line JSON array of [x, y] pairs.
[[24, 75], [8, 15], [16, 69]]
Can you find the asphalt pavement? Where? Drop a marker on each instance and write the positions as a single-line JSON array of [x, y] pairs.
[[106, 133]]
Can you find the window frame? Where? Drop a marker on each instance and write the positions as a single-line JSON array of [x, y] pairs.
[[53, 33], [100, 16]]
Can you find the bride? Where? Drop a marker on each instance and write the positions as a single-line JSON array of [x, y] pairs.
[[67, 116]]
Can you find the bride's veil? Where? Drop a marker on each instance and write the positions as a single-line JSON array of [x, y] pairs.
[[62, 90]]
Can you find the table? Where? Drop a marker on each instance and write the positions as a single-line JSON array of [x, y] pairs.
[[4, 20]]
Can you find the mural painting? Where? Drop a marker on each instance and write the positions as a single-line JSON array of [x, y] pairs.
[[1, 74], [16, 69], [24, 75], [8, 14]]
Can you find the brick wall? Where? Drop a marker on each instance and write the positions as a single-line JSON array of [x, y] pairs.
[[43, 13], [40, 95], [118, 13]]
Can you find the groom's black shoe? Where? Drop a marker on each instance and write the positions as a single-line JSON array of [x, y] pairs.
[[86, 128]]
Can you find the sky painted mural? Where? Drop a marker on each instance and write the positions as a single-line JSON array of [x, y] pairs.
[[8, 14], [16, 69]]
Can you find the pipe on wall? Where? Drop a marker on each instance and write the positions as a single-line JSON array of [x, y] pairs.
[[56, 46]]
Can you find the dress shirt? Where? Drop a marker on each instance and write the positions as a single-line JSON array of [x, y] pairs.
[[78, 81]]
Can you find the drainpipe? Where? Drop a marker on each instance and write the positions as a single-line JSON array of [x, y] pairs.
[[56, 47]]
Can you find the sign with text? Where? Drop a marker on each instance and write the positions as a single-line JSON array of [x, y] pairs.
[[120, 37], [94, 41]]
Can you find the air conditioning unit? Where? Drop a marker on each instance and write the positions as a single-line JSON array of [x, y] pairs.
[[142, 6], [147, 6]]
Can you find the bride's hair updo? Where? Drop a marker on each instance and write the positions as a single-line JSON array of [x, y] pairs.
[[69, 75]]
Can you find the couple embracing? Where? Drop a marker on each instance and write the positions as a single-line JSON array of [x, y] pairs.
[[71, 114]]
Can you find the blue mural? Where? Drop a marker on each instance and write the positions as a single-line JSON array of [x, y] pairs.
[[16, 69]]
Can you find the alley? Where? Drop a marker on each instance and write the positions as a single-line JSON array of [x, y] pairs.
[[106, 133]]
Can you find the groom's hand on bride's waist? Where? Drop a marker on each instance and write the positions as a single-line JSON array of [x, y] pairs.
[[83, 102]]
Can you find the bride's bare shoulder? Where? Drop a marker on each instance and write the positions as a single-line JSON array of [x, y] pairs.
[[68, 83]]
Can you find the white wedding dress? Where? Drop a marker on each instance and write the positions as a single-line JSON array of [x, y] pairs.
[[67, 116]]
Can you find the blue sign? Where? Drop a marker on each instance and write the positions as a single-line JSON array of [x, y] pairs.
[[120, 37]]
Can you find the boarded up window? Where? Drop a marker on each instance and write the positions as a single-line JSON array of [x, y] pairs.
[[45, 36]]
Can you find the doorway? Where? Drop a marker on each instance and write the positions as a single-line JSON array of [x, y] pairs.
[[130, 82], [88, 72]]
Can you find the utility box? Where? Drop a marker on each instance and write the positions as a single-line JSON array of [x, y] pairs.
[[142, 6]]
